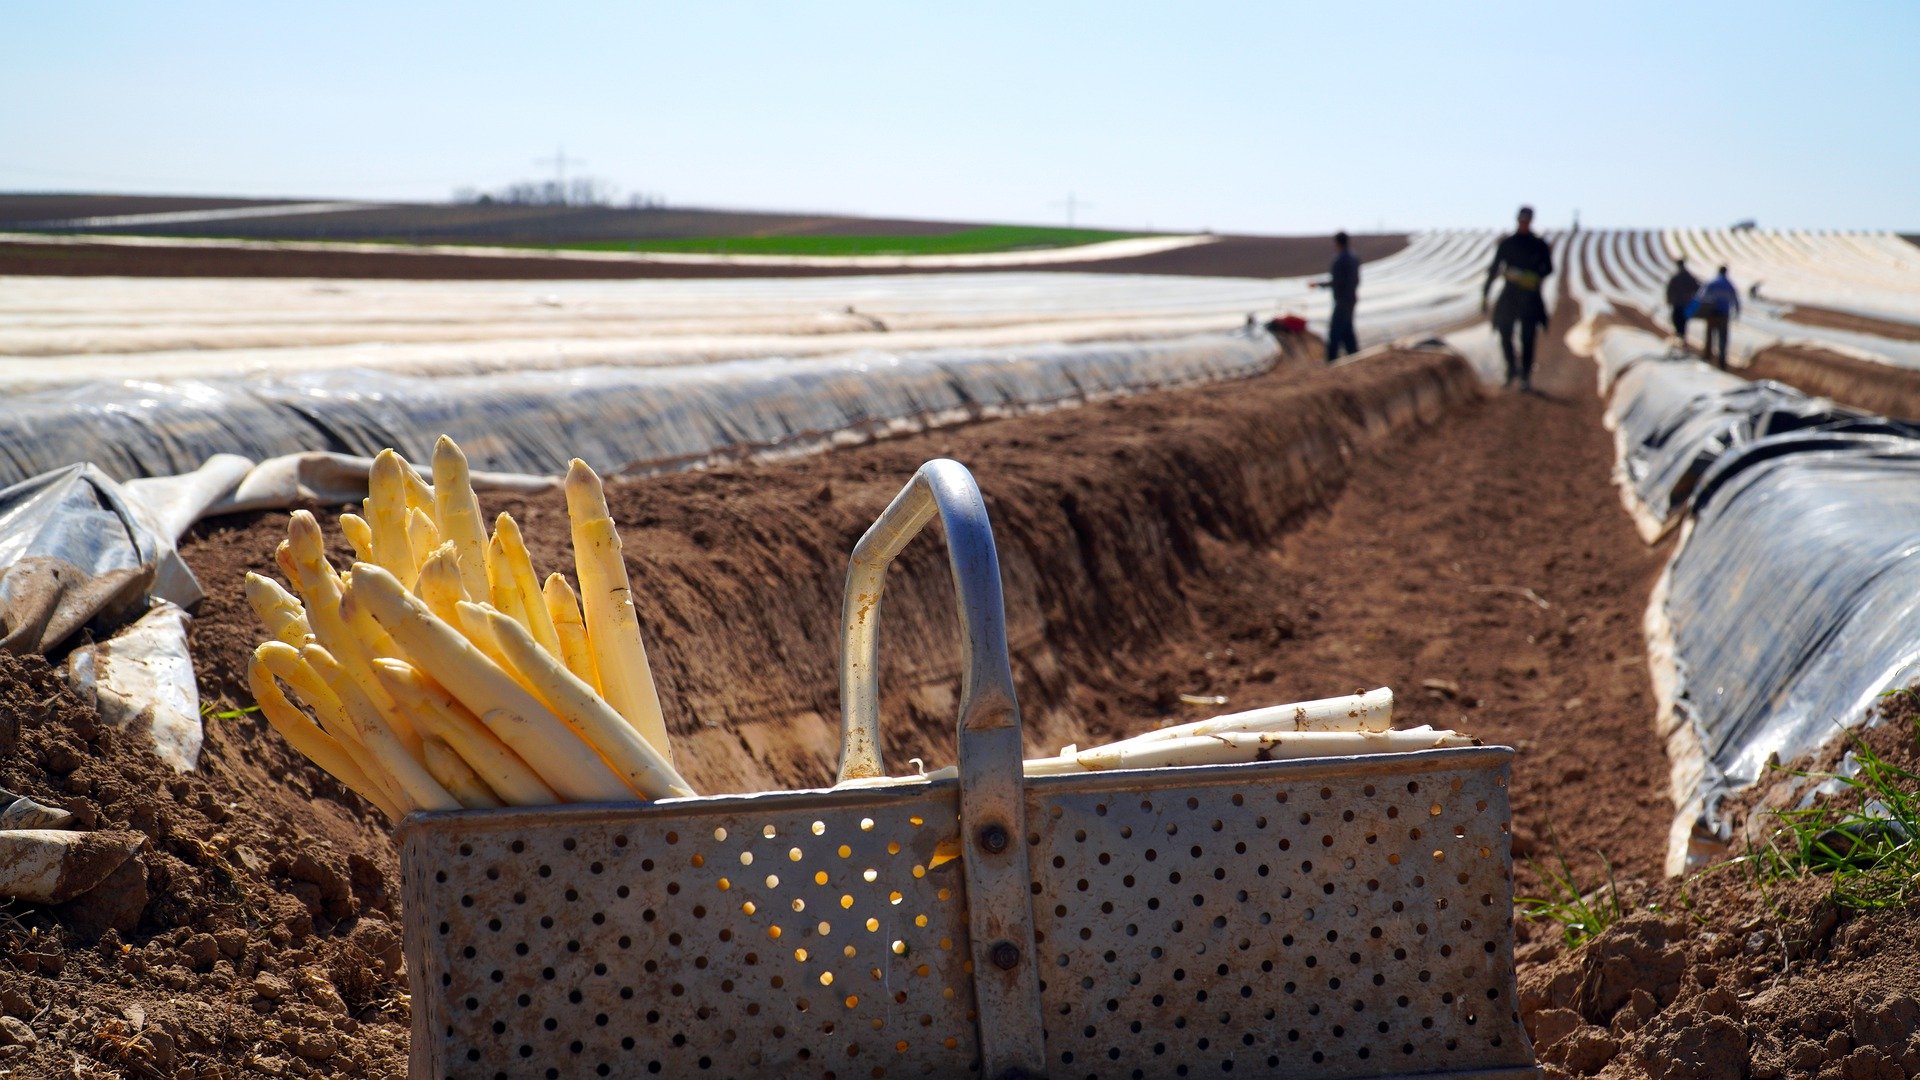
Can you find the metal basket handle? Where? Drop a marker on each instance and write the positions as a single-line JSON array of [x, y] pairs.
[[992, 803]]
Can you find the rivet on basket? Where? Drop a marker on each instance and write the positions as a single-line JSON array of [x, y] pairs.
[[1006, 955], [993, 839]]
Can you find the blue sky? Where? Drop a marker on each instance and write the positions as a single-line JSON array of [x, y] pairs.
[[1265, 117]]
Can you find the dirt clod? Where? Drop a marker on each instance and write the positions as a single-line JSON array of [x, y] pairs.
[[15, 1032], [1714, 1048], [1637, 956]]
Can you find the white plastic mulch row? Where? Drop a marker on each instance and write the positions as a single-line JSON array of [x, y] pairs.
[[59, 331], [1876, 275]]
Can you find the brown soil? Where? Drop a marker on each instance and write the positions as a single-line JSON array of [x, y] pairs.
[[1842, 320], [1878, 388], [255, 933], [1223, 585], [1727, 975], [1233, 256], [473, 223], [1299, 534], [1419, 579]]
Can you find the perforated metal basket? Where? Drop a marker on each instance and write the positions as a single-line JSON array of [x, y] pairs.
[[1332, 917]]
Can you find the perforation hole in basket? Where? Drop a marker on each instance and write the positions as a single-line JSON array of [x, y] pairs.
[[1103, 870], [606, 923]]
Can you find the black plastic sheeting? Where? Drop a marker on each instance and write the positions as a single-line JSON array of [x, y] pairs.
[[1678, 424], [72, 552], [1796, 599], [617, 418]]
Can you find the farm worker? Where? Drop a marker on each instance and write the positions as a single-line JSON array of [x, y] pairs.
[[1525, 261], [1343, 277], [1717, 303], [1681, 288]]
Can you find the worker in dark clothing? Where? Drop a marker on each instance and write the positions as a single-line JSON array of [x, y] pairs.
[[1716, 304], [1681, 288], [1524, 261], [1343, 277]]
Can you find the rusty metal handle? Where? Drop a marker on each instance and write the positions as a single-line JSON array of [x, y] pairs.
[[992, 797]]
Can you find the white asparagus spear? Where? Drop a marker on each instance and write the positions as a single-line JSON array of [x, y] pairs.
[[387, 515], [567, 765], [423, 536], [1046, 766], [285, 663], [279, 610], [643, 767], [351, 646], [305, 736], [445, 718], [421, 789], [503, 589], [419, 492], [359, 534], [457, 512], [459, 780], [1264, 746], [518, 562], [440, 586], [563, 607], [613, 627], [1369, 711]]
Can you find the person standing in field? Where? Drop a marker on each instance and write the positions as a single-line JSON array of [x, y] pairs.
[[1681, 288], [1524, 261], [1343, 277], [1717, 303]]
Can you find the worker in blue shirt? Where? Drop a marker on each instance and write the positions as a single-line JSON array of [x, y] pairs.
[[1343, 277], [1717, 303]]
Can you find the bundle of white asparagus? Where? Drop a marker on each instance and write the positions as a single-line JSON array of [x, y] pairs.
[[438, 673], [1331, 727]]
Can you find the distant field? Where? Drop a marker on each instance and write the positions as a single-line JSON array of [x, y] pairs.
[[1228, 256], [986, 238], [495, 224], [539, 229]]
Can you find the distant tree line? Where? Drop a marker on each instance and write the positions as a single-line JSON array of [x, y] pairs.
[[579, 191]]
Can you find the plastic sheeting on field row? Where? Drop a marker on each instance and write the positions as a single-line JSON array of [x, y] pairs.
[[82, 548], [73, 550], [615, 418], [81, 551], [58, 331], [1674, 417], [1793, 603], [1793, 598]]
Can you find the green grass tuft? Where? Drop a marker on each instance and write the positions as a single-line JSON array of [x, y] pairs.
[[1582, 912], [1869, 844]]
